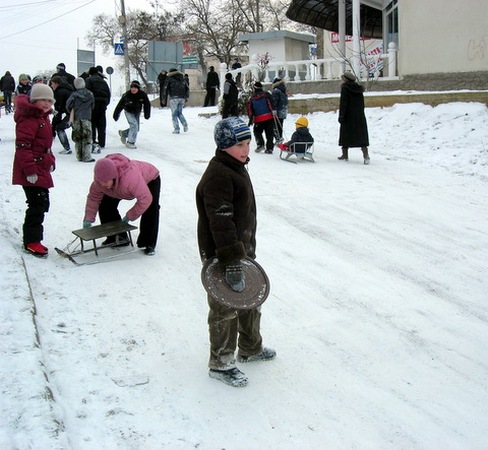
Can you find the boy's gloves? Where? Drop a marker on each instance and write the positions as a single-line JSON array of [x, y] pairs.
[[32, 178], [235, 276], [86, 224], [125, 219]]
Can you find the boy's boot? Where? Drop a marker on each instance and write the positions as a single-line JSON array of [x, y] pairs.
[[344, 156], [365, 155]]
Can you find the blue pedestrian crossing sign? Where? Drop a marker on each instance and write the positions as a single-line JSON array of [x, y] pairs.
[[119, 49]]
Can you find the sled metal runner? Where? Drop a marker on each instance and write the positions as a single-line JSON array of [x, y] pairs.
[[291, 155], [85, 235]]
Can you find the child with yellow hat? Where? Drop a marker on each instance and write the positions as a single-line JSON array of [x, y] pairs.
[[301, 134]]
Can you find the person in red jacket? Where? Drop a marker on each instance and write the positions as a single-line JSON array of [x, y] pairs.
[[34, 161]]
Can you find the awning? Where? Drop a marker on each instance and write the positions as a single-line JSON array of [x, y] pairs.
[[325, 14]]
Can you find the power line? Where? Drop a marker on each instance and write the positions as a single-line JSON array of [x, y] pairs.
[[46, 21]]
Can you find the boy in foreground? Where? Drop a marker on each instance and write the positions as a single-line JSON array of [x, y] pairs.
[[227, 230]]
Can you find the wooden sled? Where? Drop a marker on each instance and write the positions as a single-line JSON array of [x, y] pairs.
[[85, 235], [293, 156]]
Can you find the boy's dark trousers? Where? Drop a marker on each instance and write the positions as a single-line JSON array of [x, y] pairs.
[[229, 328], [99, 123], [149, 224], [268, 127], [37, 205]]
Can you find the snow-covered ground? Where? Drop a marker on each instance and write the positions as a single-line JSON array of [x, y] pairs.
[[378, 307]]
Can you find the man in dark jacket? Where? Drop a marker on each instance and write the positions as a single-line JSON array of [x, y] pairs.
[[61, 72], [132, 103], [161, 82], [260, 112], [227, 230], [100, 90], [62, 91], [7, 86], [176, 93], [212, 84], [354, 129], [231, 97]]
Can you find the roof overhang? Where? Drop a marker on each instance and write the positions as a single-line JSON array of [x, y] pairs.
[[325, 14]]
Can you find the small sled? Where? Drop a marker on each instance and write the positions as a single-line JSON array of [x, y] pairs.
[[256, 290], [304, 153], [84, 235]]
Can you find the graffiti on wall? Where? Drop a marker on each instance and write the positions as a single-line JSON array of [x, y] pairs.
[[477, 49]]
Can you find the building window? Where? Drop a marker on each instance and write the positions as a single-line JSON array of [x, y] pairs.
[[391, 23]]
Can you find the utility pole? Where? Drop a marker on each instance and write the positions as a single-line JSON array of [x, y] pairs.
[[123, 23]]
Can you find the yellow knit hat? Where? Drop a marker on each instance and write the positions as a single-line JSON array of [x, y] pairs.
[[301, 122]]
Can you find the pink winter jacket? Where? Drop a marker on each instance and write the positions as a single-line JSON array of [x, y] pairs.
[[131, 183]]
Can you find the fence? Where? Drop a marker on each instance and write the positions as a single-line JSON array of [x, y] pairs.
[[316, 69]]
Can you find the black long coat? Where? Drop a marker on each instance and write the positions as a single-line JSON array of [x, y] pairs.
[[226, 210], [354, 129]]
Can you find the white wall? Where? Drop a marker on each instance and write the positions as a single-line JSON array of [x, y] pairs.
[[443, 36]]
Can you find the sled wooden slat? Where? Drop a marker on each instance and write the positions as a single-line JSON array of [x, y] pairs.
[[103, 231]]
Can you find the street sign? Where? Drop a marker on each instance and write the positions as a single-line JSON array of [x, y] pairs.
[[190, 60], [119, 49]]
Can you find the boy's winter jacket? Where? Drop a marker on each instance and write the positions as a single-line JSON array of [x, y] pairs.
[[130, 183], [226, 210], [83, 102], [33, 140], [61, 96], [99, 87], [7, 82], [260, 107], [175, 86], [133, 103]]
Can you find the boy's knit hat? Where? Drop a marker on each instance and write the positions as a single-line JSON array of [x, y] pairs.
[[24, 76], [79, 83], [41, 91], [228, 132], [301, 122], [258, 85], [105, 170], [61, 66], [135, 84]]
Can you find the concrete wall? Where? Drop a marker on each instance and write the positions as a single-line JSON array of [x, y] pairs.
[[442, 36]]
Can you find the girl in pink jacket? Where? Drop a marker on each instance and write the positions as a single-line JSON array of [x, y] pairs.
[[116, 178]]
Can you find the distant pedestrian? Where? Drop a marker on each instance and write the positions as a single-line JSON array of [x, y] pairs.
[[61, 72], [353, 129], [80, 106], [280, 106], [235, 66], [161, 81], [260, 112], [132, 103], [62, 91], [25, 84], [211, 86], [176, 93], [231, 97], [98, 86], [34, 162], [7, 86]]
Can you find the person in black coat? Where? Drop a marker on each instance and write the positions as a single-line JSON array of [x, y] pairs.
[[227, 230], [132, 103], [280, 106], [62, 91], [212, 84], [7, 86], [61, 72], [161, 81], [231, 97], [100, 90], [353, 129]]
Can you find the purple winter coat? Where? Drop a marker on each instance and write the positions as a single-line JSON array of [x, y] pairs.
[[130, 183], [33, 140]]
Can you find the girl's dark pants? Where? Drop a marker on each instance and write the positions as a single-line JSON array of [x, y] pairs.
[[149, 225], [37, 205]]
